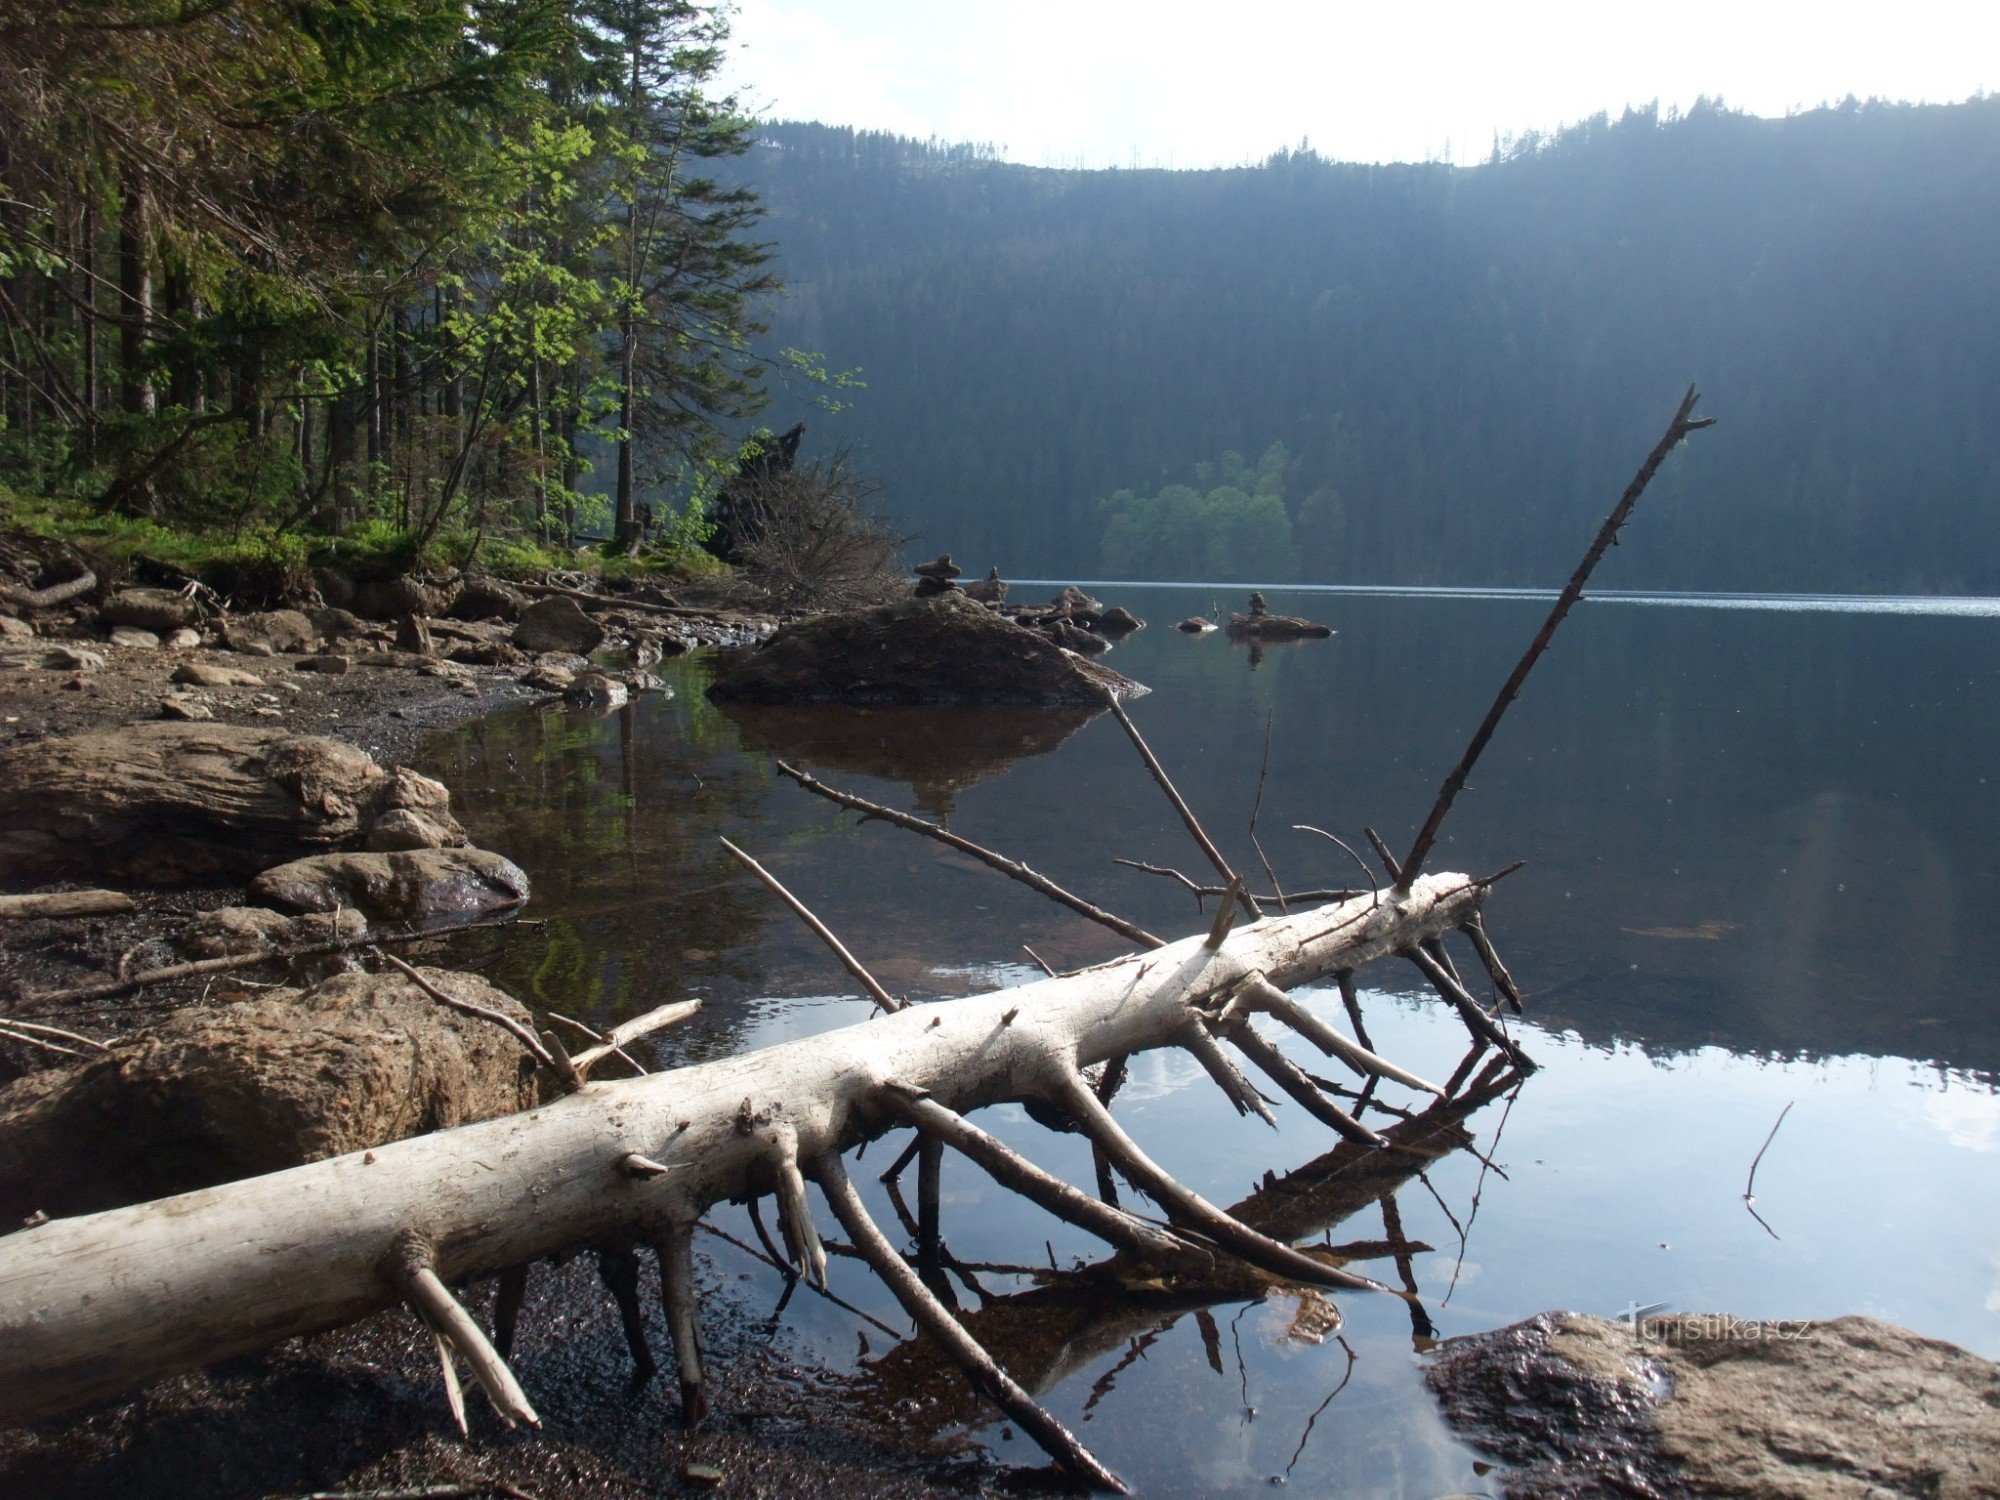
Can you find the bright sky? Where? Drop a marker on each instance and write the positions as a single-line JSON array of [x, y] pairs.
[[1174, 83]]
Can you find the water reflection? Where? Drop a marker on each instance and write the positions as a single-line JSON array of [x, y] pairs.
[[1764, 851], [939, 751], [1078, 1317]]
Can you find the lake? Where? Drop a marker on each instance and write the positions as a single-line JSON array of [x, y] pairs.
[[1763, 850]]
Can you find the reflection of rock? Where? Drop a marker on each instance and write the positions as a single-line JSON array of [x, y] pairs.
[[1712, 1405], [217, 1093], [1266, 627], [942, 650], [939, 750]]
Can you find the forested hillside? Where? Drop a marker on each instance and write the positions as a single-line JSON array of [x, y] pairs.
[[1462, 364]]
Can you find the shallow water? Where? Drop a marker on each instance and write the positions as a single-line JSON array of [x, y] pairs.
[[1762, 871]]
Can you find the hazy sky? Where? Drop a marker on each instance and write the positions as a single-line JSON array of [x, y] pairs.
[[1172, 83]]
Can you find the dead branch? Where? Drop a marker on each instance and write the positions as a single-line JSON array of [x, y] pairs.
[[1684, 423], [532, 1044], [1188, 819], [1012, 869], [1201, 892], [820, 930], [52, 596]]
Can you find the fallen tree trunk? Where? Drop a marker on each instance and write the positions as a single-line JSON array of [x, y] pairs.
[[93, 1306]]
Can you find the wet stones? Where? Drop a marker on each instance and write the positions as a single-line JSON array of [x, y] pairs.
[[400, 886], [231, 930], [1708, 1404]]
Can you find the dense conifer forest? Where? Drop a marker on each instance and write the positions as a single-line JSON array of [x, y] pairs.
[[1424, 373], [394, 272]]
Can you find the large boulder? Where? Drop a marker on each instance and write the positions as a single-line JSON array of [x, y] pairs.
[[484, 598], [164, 802], [157, 610], [276, 632], [946, 649], [414, 885], [1706, 1404], [216, 1093], [392, 598], [557, 624]]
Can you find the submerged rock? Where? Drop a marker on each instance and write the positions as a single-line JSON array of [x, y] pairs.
[[1118, 620], [216, 1093], [599, 691], [942, 650], [397, 886], [1196, 625], [1704, 1404]]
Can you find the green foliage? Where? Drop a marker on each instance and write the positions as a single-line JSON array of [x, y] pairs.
[[372, 270], [1237, 530]]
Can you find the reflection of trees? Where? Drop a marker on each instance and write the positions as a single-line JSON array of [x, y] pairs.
[[939, 750], [1074, 1319], [616, 822]]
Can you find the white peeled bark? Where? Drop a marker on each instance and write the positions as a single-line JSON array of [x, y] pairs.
[[93, 1306]]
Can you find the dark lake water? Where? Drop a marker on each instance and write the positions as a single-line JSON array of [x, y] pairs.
[[1764, 869]]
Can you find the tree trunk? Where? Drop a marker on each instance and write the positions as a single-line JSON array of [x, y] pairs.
[[100, 1304], [135, 292]]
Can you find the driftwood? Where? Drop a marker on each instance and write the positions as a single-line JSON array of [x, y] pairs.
[[612, 601], [66, 904], [100, 1304], [17, 597]]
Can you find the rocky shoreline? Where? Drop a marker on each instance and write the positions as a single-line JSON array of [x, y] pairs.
[[357, 1408], [1569, 1406]]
